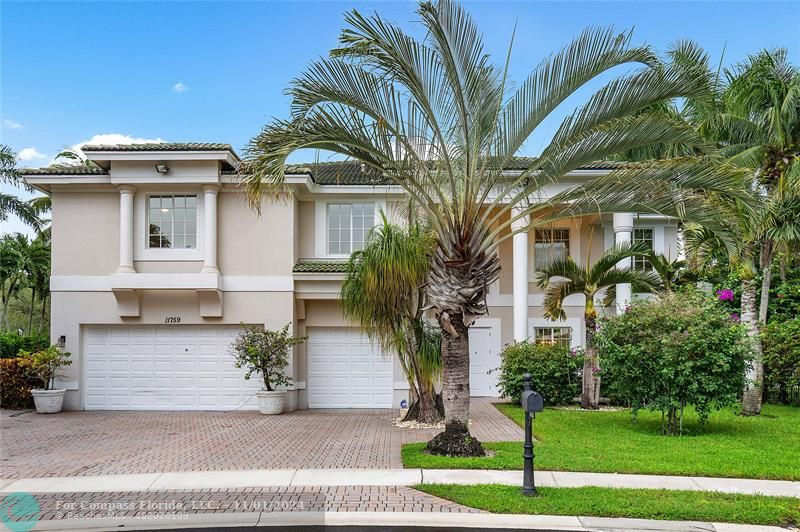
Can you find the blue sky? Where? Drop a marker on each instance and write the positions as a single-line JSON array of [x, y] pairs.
[[216, 71]]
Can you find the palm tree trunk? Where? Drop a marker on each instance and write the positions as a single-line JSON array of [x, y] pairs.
[[590, 381], [44, 313], [751, 399], [30, 311], [766, 280], [456, 439]]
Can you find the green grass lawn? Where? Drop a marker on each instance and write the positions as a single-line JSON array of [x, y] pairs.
[[766, 446], [635, 503]]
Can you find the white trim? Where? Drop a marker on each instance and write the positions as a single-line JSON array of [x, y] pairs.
[[534, 300], [576, 324], [321, 223], [158, 155], [171, 281], [143, 253]]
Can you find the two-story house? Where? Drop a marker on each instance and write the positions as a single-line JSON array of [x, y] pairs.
[[158, 259]]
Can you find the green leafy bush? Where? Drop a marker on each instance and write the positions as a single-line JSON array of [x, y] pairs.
[[553, 368], [781, 345], [265, 352], [675, 350], [16, 382], [12, 343], [46, 363]]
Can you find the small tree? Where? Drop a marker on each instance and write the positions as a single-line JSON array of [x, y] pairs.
[[266, 352], [46, 363], [677, 349], [562, 278]]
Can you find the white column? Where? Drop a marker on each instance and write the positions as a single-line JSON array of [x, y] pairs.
[[126, 194], [520, 278], [623, 233], [210, 228]]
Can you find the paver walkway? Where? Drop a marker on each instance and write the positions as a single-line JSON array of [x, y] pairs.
[[105, 443]]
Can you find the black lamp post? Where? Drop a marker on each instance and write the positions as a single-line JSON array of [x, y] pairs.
[[532, 402]]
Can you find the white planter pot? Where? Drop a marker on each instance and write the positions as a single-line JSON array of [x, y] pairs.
[[270, 403], [48, 401]]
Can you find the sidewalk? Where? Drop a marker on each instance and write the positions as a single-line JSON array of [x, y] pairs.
[[268, 478]]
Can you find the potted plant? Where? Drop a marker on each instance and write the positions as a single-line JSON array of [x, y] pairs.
[[45, 365], [266, 352]]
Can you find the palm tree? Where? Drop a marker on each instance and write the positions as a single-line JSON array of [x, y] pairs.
[[384, 291], [21, 260], [9, 203], [760, 126], [439, 119], [671, 273], [563, 278], [756, 120]]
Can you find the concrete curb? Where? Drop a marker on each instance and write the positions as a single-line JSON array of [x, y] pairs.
[[269, 478], [377, 519]]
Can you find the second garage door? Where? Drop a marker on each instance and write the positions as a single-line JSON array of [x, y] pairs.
[[346, 370]]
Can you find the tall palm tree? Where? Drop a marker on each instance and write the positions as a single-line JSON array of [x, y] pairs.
[[21, 260], [563, 278], [760, 127], [439, 119], [384, 291], [9, 203], [756, 120]]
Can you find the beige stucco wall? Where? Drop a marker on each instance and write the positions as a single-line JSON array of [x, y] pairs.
[[85, 233], [305, 229], [249, 244]]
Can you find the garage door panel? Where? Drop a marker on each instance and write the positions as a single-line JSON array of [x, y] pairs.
[[345, 370], [165, 368]]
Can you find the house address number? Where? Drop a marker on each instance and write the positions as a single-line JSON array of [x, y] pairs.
[[172, 320]]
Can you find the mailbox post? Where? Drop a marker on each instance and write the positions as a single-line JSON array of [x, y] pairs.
[[532, 402]]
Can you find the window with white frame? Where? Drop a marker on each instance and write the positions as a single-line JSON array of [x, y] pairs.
[[553, 335], [642, 235], [172, 221], [348, 226], [549, 245]]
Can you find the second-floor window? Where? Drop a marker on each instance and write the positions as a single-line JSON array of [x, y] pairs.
[[643, 236], [348, 226], [172, 221], [550, 245]]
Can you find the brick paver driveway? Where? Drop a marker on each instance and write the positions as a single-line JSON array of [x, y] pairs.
[[103, 443]]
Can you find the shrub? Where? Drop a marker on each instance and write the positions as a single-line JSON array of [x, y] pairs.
[[45, 364], [12, 343], [675, 350], [554, 370], [265, 352], [781, 345], [16, 383]]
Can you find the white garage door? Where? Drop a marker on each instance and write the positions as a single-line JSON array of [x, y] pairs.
[[345, 370], [182, 367]]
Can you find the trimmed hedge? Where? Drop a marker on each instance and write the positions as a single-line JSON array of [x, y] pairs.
[[554, 371], [16, 382], [12, 343]]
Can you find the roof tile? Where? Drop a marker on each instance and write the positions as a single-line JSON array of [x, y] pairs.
[[320, 266]]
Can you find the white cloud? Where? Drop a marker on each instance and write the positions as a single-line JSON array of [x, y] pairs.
[[30, 154], [11, 124], [180, 87]]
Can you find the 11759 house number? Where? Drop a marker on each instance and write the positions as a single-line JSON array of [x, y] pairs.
[[172, 320]]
